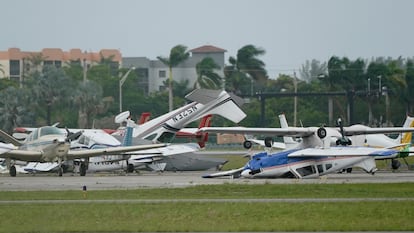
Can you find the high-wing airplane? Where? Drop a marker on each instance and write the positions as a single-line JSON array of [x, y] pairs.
[[313, 156], [204, 102], [372, 140], [51, 144]]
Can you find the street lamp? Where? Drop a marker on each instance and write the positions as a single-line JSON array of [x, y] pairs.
[[121, 82]]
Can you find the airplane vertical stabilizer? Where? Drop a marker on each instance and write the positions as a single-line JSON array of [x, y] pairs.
[[406, 137]]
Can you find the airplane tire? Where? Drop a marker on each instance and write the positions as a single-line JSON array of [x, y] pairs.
[[247, 144], [60, 171], [268, 142], [82, 169], [13, 171], [130, 168], [395, 164], [321, 133]]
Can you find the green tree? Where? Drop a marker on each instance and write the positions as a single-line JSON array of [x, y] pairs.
[[246, 66], [50, 87], [88, 97], [206, 77], [178, 54], [13, 102], [311, 70]]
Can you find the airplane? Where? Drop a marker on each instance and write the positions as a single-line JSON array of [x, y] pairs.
[[313, 156], [51, 144], [204, 102], [370, 140]]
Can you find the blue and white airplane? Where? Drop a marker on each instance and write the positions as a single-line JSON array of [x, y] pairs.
[[311, 157]]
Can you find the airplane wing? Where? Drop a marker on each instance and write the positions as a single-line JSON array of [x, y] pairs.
[[77, 154], [343, 151], [358, 130], [278, 145], [290, 131], [23, 155], [5, 147], [234, 173]]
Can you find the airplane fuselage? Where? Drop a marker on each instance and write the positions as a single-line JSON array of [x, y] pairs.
[[280, 165], [53, 147]]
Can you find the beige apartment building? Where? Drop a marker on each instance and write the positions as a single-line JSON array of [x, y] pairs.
[[14, 64]]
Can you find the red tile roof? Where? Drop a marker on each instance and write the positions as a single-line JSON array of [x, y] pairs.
[[208, 49]]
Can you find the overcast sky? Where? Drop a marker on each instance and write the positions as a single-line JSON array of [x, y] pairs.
[[290, 31]]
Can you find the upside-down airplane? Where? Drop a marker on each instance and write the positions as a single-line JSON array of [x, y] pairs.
[[204, 102], [402, 141], [51, 144], [313, 156]]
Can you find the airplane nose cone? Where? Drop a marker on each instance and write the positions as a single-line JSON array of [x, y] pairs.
[[246, 173]]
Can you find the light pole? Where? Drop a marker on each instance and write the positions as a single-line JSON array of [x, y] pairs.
[[121, 82]]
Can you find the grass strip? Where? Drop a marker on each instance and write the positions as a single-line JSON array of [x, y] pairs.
[[208, 217], [227, 191]]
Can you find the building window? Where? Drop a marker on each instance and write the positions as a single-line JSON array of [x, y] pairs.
[[14, 67], [58, 64], [47, 63], [162, 74]]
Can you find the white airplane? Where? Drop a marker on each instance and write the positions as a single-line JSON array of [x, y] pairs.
[[51, 144], [205, 102], [370, 140], [313, 156]]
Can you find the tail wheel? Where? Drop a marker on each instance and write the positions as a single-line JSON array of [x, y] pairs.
[[247, 144]]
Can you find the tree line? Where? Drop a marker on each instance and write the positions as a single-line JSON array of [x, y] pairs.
[[51, 94]]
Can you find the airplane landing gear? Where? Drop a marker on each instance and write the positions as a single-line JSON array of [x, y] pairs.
[[12, 171]]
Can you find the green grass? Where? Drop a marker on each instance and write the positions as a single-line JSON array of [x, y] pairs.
[[213, 216]]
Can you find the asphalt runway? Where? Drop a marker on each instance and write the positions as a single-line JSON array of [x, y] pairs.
[[102, 181]]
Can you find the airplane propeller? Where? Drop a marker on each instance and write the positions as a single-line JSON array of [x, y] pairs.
[[72, 136]]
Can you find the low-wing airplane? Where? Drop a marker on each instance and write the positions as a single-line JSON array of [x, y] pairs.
[[174, 157], [51, 144], [313, 156]]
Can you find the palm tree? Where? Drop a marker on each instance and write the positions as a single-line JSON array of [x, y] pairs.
[[178, 54], [206, 77], [12, 106], [245, 69], [88, 97]]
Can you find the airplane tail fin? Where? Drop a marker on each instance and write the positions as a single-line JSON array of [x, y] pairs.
[[203, 137], [284, 124], [406, 137], [145, 116], [228, 106]]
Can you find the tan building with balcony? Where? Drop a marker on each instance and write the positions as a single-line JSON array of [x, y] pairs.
[[15, 63]]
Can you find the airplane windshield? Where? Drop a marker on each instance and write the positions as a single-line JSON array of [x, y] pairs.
[[49, 130]]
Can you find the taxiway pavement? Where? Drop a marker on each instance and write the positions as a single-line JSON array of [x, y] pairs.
[[101, 181]]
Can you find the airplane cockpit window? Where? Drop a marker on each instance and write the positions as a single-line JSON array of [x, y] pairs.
[[328, 166], [306, 171], [47, 130], [33, 135], [166, 137]]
